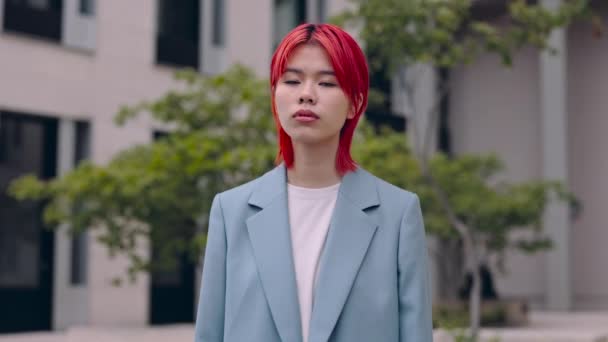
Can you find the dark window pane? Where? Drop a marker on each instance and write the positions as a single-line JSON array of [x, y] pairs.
[[444, 137], [40, 18], [322, 10], [178, 33], [78, 264], [27, 147], [300, 12], [179, 18], [83, 142], [87, 7], [79, 244], [218, 22], [38, 4], [19, 236], [381, 114], [287, 15]]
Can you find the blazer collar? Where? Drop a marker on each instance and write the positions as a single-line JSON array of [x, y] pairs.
[[350, 233], [358, 186]]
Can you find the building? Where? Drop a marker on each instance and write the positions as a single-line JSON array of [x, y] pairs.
[[66, 66], [546, 118]]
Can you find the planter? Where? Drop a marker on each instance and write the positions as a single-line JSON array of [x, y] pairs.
[[494, 313]]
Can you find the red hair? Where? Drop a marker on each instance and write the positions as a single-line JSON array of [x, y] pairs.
[[351, 70]]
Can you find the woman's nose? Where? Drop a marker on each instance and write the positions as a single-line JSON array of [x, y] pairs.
[[307, 96], [306, 99]]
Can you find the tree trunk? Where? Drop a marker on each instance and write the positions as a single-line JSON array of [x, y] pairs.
[[450, 268], [475, 304]]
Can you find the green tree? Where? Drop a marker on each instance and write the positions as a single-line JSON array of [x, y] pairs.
[[445, 34], [222, 135], [162, 192]]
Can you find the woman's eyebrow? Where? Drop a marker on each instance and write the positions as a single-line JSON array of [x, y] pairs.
[[301, 72]]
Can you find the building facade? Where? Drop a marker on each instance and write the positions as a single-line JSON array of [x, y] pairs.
[[546, 117], [66, 67]]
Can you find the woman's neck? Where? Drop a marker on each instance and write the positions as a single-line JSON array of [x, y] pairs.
[[314, 166]]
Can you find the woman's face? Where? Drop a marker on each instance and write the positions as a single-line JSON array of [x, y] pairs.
[[310, 104]]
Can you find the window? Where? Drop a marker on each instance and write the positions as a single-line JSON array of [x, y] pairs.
[[78, 262], [177, 40], [79, 243], [171, 290], [40, 18], [29, 144], [83, 142], [322, 10], [218, 23], [444, 137], [287, 15], [87, 7], [381, 114]]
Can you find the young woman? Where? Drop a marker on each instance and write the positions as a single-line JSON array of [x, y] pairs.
[[317, 249]]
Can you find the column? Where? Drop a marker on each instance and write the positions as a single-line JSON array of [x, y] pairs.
[[420, 80], [554, 154]]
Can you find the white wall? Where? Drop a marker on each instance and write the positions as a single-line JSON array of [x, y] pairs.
[[588, 165], [495, 110], [50, 79], [249, 34], [503, 118]]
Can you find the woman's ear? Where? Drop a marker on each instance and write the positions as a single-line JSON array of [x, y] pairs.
[[352, 110], [351, 113]]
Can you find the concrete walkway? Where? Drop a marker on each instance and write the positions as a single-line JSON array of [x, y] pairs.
[[549, 327], [172, 333], [544, 327]]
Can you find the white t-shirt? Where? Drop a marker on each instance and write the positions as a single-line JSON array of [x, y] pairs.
[[310, 212]]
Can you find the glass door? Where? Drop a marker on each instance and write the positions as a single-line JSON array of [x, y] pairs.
[[28, 144]]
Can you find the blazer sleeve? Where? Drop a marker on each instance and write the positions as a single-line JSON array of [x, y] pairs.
[[415, 321], [210, 314]]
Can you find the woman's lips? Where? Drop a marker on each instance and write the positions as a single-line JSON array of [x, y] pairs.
[[305, 116]]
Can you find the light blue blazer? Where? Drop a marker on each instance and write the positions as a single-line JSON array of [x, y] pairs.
[[373, 283]]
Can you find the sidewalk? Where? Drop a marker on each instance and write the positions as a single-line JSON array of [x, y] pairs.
[[550, 327], [544, 327], [172, 333]]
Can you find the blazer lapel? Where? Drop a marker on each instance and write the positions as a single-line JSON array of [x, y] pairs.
[[350, 234], [271, 240]]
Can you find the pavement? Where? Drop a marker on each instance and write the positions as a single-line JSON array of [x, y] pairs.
[[543, 327], [548, 327], [169, 333]]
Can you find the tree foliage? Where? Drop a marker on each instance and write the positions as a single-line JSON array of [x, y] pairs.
[[446, 33], [163, 190], [467, 200], [222, 135]]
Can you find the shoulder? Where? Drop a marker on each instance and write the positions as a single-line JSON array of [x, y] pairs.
[[391, 194], [256, 191], [239, 194]]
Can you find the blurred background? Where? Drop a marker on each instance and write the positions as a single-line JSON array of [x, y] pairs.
[[68, 67]]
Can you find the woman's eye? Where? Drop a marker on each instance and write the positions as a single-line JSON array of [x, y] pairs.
[[292, 82], [327, 84]]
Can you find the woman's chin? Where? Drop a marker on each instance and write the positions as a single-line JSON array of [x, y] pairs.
[[312, 140], [305, 139]]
